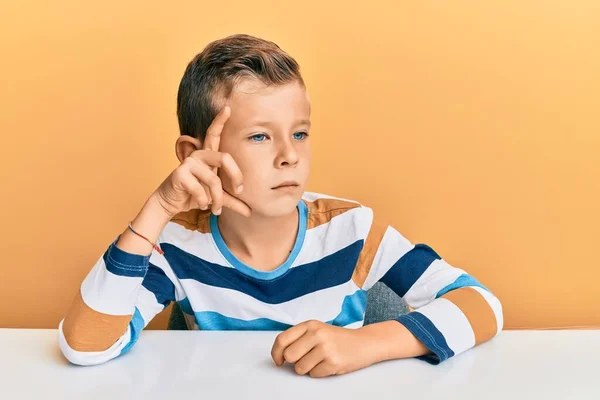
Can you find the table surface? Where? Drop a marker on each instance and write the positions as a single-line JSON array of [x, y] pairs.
[[170, 364]]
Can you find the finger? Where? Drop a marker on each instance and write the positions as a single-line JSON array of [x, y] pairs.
[[300, 348], [225, 161], [213, 133], [285, 339], [207, 191], [211, 180], [215, 188], [196, 190], [235, 204], [231, 202], [309, 361], [321, 370]]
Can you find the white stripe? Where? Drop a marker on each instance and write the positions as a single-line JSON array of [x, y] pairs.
[[340, 232], [108, 293], [436, 277], [355, 325], [196, 243], [323, 305], [91, 357], [314, 196], [392, 247], [451, 322], [147, 304], [494, 304]]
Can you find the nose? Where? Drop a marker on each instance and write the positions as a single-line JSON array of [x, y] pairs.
[[286, 155]]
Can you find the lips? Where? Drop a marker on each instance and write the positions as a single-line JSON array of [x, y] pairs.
[[286, 183]]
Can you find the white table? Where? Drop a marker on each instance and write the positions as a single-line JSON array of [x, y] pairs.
[[237, 365]]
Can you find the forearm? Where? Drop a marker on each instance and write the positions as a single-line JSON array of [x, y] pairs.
[[391, 340], [105, 304]]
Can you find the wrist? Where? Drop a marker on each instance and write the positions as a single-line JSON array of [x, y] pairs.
[[151, 219], [390, 340], [148, 224]]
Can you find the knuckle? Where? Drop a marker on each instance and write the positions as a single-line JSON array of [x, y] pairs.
[[214, 181], [279, 341], [334, 359], [299, 369], [226, 157], [313, 324], [179, 173], [201, 197], [320, 333], [288, 356], [325, 348]]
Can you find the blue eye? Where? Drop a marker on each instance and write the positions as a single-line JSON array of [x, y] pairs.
[[255, 136], [301, 133]]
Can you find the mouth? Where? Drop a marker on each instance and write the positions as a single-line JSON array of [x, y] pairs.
[[286, 185]]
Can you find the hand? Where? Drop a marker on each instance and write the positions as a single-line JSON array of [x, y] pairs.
[[195, 184], [320, 349]]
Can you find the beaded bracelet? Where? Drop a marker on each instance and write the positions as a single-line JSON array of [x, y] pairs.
[[154, 245]]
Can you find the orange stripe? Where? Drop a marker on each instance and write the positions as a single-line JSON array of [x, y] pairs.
[[322, 211], [367, 254], [194, 220], [86, 329], [477, 310]]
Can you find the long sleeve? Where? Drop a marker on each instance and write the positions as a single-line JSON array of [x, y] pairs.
[[451, 310], [117, 299]]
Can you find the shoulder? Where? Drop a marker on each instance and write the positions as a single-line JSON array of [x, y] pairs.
[[187, 226], [324, 208]]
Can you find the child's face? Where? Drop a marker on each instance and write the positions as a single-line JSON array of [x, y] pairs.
[[266, 134]]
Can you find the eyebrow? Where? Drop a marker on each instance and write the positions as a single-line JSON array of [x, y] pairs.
[[267, 123]]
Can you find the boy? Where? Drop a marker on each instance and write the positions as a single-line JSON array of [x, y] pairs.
[[232, 236]]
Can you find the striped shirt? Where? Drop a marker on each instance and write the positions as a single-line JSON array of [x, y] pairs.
[[340, 252]]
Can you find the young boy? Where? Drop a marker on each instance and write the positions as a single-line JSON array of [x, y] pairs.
[[232, 236]]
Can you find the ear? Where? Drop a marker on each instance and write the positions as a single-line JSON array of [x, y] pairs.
[[186, 145]]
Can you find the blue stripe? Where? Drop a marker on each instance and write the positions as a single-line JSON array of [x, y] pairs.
[[462, 281], [136, 326], [424, 330], [405, 272], [158, 283], [327, 272], [246, 269], [121, 263], [353, 310], [210, 320]]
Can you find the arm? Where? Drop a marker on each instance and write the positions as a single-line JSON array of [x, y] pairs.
[[452, 310], [124, 290], [127, 287]]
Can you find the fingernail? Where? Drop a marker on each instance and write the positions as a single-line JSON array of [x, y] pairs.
[[218, 212], [240, 188]]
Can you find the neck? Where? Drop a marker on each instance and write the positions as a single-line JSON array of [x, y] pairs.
[[249, 236]]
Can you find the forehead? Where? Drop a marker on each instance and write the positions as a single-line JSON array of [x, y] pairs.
[[253, 99]]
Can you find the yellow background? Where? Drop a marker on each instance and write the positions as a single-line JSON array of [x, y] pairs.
[[470, 126]]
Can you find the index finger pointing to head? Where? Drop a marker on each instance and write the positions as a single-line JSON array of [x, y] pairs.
[[213, 133]]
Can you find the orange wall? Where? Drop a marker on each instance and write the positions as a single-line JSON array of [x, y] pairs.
[[471, 126]]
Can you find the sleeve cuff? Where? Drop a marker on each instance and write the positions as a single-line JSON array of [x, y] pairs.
[[122, 263], [426, 332]]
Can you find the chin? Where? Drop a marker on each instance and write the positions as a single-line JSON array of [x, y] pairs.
[[279, 207]]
